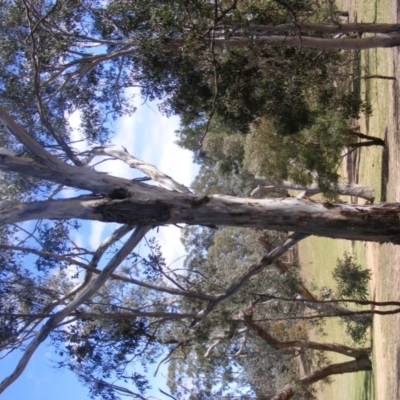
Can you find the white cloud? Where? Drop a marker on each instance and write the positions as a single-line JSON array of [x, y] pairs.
[[159, 148], [172, 248], [97, 229], [74, 121]]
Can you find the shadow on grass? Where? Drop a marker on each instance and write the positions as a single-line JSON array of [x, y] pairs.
[[368, 386], [385, 168]]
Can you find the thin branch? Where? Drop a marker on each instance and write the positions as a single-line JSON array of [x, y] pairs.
[[169, 355], [330, 315], [254, 269], [244, 340], [119, 389], [284, 344], [210, 349], [23, 137], [36, 85], [356, 301], [148, 169]]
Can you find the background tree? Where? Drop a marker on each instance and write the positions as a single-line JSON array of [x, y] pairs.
[[224, 353], [236, 164], [196, 57]]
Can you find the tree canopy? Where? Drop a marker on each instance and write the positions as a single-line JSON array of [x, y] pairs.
[[233, 61]]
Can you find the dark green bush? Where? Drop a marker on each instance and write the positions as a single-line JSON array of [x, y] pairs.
[[352, 280]]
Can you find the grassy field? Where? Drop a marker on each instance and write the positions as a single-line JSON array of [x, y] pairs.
[[379, 168]]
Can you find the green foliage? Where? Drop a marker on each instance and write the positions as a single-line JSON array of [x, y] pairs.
[[352, 105], [88, 353], [352, 280], [352, 283], [313, 154], [357, 327], [46, 82]]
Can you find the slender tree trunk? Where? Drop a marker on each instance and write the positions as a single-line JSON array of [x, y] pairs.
[[388, 78], [359, 364], [368, 143], [324, 28], [311, 42], [345, 189], [361, 360], [303, 344], [376, 141]]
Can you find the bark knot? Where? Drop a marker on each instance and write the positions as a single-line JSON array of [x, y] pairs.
[[199, 202], [119, 193]]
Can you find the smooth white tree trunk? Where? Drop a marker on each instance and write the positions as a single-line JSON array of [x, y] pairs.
[[334, 29], [343, 189], [312, 42]]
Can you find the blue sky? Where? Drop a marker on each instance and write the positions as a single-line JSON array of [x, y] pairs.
[[150, 137]]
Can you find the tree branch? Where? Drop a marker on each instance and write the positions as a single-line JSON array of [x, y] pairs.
[[148, 169], [23, 137], [251, 271], [47, 328], [304, 344]]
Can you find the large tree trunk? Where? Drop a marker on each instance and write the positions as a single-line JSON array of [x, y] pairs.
[[125, 201], [134, 203], [365, 144], [378, 223], [346, 221]]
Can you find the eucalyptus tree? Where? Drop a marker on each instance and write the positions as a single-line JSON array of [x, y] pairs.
[[225, 359], [263, 162], [132, 203], [119, 200], [198, 57], [221, 350], [49, 70], [313, 156]]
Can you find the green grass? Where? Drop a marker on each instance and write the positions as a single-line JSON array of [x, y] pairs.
[[318, 258]]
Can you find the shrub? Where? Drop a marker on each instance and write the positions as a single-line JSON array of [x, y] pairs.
[[352, 280]]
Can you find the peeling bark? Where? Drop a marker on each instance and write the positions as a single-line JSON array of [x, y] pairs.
[[152, 206]]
